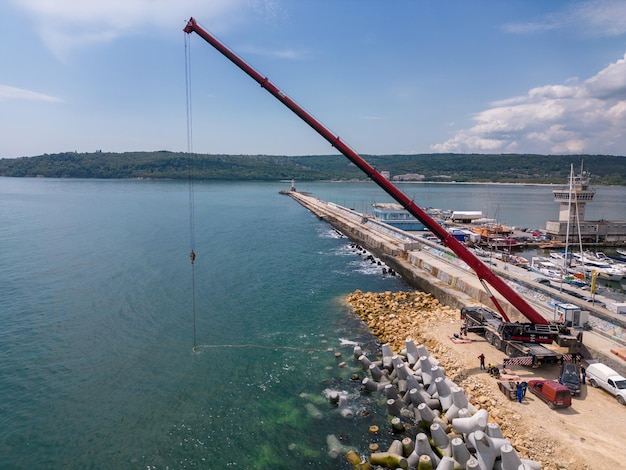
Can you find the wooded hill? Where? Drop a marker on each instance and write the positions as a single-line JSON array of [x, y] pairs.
[[516, 168]]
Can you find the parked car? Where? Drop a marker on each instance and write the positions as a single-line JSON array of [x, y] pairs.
[[570, 377], [593, 301], [552, 392], [601, 375]]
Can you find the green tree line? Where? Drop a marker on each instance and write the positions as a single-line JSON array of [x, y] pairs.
[[516, 168]]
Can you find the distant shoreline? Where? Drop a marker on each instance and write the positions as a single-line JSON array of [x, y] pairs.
[[475, 183], [456, 182]]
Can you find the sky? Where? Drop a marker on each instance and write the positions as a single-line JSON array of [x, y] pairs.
[[402, 77]]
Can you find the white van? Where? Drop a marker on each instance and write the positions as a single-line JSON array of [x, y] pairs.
[[601, 375]]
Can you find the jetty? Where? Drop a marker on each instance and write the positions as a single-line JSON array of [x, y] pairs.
[[430, 267]]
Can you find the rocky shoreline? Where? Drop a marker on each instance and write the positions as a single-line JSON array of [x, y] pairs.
[[399, 317]]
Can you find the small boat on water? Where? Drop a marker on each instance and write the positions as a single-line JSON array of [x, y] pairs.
[[588, 263], [499, 243], [557, 255], [397, 216], [548, 268], [551, 244]]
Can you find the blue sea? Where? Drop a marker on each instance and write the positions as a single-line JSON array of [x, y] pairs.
[[116, 352]]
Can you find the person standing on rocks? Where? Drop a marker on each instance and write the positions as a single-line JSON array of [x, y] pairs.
[[482, 361]]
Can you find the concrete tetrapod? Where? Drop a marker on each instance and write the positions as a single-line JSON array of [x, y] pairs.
[[460, 453], [412, 382], [447, 463], [402, 370], [387, 356], [486, 452], [496, 442], [388, 460], [371, 385], [425, 368], [440, 439], [412, 353], [390, 391], [357, 463], [395, 447], [365, 362], [443, 393], [418, 396], [426, 413], [435, 373], [493, 430], [425, 463], [510, 460], [472, 464], [335, 447], [474, 423], [394, 407], [408, 446], [375, 372], [422, 447], [459, 401], [344, 407]]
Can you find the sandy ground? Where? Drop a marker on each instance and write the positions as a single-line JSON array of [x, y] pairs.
[[591, 434]]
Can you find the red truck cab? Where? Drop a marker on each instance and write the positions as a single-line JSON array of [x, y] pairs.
[[552, 392]]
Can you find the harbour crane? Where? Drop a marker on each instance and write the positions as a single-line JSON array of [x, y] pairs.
[[484, 274]]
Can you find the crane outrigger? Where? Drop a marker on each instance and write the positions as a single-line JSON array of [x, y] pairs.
[[484, 274]]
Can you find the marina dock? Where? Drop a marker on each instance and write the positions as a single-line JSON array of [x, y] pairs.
[[430, 267]]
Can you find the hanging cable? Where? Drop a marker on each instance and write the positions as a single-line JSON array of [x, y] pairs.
[[192, 235]]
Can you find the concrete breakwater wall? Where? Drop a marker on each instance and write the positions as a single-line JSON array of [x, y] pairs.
[[418, 262], [430, 267]]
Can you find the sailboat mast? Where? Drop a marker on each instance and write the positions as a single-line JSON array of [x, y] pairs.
[[569, 217]]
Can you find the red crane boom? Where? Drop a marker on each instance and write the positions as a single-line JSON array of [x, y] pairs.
[[485, 275]]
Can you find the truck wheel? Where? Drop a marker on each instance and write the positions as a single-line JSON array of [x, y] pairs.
[[497, 343], [593, 383], [621, 400], [510, 350], [489, 337]]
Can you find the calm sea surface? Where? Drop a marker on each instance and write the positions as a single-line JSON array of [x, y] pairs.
[[97, 367]]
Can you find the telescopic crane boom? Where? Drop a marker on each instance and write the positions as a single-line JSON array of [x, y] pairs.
[[485, 275]]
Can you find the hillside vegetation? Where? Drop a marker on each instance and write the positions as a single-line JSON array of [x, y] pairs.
[[517, 168]]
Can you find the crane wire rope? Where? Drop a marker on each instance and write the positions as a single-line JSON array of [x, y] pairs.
[[192, 235]]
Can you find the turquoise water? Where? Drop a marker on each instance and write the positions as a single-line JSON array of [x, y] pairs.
[[97, 368]]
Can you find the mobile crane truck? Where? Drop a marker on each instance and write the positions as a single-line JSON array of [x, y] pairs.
[[522, 342], [521, 339]]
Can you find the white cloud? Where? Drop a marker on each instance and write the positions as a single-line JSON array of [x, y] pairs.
[[65, 25], [12, 93], [580, 118], [593, 17], [601, 17], [290, 54]]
